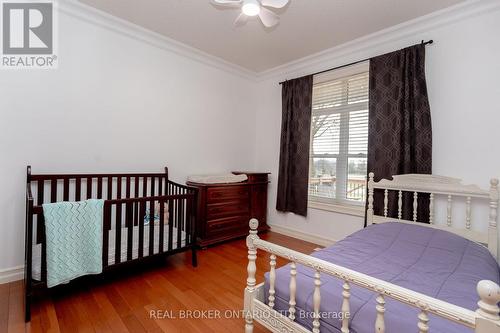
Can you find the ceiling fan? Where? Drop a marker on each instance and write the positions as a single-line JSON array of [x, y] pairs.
[[255, 8]]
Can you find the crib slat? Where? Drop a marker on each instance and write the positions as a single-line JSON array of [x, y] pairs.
[[415, 206], [118, 187], [110, 188], [467, 212], [180, 222], [89, 188], [160, 186], [316, 301], [105, 236], [162, 227], [136, 187], [78, 189], [293, 290], [272, 281], [151, 227], [400, 205], [66, 189], [346, 308], [136, 213], [386, 201], [129, 211], [39, 220], [189, 219], [142, 212], [127, 187], [152, 190], [99, 187], [53, 190], [380, 307], [118, 231], [448, 208], [431, 208], [144, 186], [40, 192], [170, 223], [423, 322]]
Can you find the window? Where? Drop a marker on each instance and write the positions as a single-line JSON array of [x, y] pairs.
[[339, 136]]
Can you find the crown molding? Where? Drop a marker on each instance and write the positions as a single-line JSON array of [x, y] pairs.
[[366, 44], [318, 61], [107, 21]]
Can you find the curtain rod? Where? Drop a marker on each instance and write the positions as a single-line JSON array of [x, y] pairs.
[[355, 62]]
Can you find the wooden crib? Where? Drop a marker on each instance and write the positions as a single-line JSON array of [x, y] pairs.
[[262, 308], [145, 215]]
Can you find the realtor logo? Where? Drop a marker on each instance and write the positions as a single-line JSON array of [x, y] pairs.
[[28, 34]]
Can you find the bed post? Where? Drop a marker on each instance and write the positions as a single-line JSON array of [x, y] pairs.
[[250, 291], [488, 320], [492, 228], [28, 247], [369, 211]]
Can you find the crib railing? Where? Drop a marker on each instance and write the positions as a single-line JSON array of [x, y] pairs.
[[485, 320], [130, 204], [129, 214]]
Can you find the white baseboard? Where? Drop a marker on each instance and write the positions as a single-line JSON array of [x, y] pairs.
[[302, 235], [11, 274]]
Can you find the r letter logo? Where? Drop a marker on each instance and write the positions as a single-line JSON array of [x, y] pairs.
[[28, 34]]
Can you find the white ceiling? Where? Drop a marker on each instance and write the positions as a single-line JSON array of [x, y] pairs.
[[306, 27]]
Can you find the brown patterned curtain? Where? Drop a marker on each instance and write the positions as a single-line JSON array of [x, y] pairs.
[[294, 148], [400, 133]]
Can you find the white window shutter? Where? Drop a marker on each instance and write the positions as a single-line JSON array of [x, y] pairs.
[[339, 136]]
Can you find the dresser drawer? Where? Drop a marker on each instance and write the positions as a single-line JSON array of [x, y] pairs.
[[217, 194], [227, 224], [227, 208]]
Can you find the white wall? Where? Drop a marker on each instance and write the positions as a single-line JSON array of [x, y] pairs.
[[116, 104], [463, 71]]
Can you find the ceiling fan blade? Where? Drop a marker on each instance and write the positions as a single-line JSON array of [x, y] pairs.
[[274, 3], [241, 19], [227, 3], [268, 18]]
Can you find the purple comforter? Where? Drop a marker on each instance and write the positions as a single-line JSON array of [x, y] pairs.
[[433, 262]]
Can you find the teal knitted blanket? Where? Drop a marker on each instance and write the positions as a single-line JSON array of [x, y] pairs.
[[73, 239]]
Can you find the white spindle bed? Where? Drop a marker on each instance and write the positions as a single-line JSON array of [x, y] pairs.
[[485, 319]]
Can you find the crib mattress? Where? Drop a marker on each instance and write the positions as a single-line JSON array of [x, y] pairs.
[[37, 249], [430, 261]]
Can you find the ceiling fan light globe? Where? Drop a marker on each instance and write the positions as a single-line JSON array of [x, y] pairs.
[[251, 8]]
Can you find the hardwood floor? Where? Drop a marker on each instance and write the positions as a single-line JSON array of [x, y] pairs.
[[155, 299]]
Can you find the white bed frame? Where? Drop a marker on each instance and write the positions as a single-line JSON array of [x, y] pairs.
[[485, 319]]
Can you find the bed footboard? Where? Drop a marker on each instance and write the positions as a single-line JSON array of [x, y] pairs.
[[485, 319]]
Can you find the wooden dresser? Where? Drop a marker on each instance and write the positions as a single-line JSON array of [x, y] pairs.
[[225, 209]]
